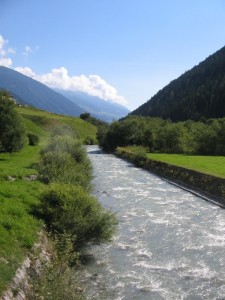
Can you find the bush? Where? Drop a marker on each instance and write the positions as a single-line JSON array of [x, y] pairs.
[[33, 139], [54, 279], [89, 140], [68, 208], [139, 155], [61, 167], [66, 144], [12, 130]]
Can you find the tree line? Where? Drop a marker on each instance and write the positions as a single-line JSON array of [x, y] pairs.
[[206, 137]]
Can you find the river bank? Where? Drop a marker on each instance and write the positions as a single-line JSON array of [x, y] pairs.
[[210, 187]]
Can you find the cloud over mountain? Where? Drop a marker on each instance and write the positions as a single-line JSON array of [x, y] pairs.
[[93, 85]]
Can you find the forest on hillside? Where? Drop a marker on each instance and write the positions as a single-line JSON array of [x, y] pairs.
[[198, 93]]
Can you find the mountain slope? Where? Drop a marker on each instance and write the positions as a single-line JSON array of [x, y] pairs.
[[98, 108], [33, 93], [197, 93]]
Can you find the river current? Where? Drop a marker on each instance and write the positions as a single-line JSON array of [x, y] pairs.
[[169, 244]]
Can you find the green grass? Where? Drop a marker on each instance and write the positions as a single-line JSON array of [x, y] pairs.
[[18, 226], [47, 121], [213, 165]]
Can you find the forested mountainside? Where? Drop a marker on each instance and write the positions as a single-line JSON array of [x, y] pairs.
[[198, 93]]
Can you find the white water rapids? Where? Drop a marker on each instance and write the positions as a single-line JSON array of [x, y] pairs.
[[169, 243]]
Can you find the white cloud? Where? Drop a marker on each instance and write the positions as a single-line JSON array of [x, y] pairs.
[[26, 71], [11, 51], [59, 78], [5, 62], [2, 45], [27, 51], [92, 84]]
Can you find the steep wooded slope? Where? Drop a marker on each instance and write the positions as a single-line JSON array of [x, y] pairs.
[[198, 93]]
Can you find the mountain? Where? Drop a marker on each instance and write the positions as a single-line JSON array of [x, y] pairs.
[[98, 108], [198, 93], [30, 92]]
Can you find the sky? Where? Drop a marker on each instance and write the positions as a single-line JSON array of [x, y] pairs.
[[119, 50]]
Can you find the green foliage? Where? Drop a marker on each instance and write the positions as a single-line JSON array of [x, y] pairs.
[[18, 196], [65, 205], [189, 137], [66, 144], [89, 140], [94, 121], [55, 279], [65, 160], [33, 139], [60, 166], [12, 130], [68, 208]]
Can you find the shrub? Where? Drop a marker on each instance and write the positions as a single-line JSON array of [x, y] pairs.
[[54, 279], [12, 130], [68, 208], [66, 144], [33, 139], [89, 140], [61, 167]]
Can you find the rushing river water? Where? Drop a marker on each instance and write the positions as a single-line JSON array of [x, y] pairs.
[[169, 244]]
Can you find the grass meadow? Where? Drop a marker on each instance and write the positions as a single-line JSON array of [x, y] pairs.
[[212, 165]]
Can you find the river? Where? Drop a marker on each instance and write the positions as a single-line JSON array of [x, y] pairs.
[[170, 244]]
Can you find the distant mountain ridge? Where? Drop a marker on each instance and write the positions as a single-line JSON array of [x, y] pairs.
[[28, 91], [33, 93], [198, 93], [97, 107]]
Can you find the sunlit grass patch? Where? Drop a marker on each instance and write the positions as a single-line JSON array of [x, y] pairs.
[[212, 165], [18, 227]]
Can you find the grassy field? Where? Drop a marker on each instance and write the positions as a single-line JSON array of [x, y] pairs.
[[18, 226], [213, 165], [45, 121]]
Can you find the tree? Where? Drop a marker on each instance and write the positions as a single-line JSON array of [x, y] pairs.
[[12, 130]]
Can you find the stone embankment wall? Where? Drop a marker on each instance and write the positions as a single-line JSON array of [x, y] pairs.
[[207, 185], [19, 287]]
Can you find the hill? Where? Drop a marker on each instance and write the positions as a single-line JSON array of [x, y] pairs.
[[198, 93], [41, 122], [98, 108], [33, 93]]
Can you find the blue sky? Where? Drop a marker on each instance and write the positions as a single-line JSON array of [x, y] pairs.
[[120, 50]]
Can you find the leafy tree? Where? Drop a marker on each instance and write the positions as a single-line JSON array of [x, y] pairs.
[[12, 130]]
